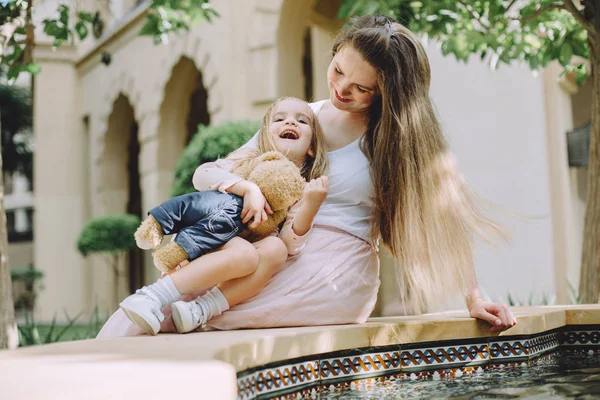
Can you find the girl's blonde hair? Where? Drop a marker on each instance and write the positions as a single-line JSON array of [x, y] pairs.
[[423, 210], [315, 165]]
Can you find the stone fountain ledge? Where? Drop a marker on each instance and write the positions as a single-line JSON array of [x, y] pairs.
[[212, 365]]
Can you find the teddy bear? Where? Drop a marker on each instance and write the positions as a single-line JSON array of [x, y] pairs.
[[279, 180]]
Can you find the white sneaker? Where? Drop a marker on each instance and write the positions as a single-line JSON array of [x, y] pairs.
[[143, 309], [187, 316]]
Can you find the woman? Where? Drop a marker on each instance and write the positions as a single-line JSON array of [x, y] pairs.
[[392, 180]]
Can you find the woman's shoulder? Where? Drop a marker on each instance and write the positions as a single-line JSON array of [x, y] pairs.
[[317, 105]]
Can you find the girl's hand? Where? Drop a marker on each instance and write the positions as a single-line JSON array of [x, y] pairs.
[[256, 207], [497, 314], [315, 192]]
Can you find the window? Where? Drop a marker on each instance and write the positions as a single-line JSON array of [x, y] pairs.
[[8, 183]]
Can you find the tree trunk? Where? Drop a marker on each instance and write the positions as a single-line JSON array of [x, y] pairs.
[[9, 337], [589, 285]]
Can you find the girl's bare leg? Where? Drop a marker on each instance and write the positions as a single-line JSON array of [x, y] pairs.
[[245, 266], [236, 258], [272, 253]]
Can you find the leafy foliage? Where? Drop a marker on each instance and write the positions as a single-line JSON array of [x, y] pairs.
[[62, 29], [28, 275], [166, 16], [112, 234], [208, 144], [32, 333], [500, 31], [163, 18]]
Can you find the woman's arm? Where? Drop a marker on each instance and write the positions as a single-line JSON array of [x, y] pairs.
[[497, 314]]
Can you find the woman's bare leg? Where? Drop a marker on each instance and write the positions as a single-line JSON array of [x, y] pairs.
[[235, 259], [272, 254]]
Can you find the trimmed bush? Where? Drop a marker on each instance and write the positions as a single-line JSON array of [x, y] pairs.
[[208, 144], [112, 234]]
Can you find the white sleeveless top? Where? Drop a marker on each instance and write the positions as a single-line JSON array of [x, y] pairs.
[[349, 201]]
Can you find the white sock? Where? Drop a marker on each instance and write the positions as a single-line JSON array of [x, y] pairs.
[[164, 289], [212, 303]]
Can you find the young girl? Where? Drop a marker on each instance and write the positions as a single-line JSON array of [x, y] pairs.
[[290, 127]]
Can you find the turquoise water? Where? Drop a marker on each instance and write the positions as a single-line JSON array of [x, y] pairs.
[[560, 375]]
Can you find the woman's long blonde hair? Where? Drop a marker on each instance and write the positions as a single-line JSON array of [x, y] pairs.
[[315, 165], [423, 210]]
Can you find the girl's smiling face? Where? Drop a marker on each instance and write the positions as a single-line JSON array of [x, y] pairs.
[[290, 127]]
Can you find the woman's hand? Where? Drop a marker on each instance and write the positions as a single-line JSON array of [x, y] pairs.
[[256, 207], [315, 192], [497, 314]]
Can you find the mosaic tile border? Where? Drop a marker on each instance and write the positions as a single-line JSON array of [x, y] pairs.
[[447, 355], [522, 348], [359, 362], [292, 379]]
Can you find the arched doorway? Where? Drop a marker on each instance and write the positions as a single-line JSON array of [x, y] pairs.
[[121, 188], [184, 107]]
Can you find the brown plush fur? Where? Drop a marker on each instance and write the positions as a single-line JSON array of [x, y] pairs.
[[168, 257], [149, 234], [277, 177], [279, 181]]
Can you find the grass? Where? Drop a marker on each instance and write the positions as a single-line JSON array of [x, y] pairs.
[[32, 333], [71, 332]]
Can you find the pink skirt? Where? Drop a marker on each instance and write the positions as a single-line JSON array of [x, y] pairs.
[[334, 280]]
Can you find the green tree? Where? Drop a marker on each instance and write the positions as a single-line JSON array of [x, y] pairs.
[[111, 236], [534, 32], [17, 35], [17, 41]]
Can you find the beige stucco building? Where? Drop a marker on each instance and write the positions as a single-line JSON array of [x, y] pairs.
[[108, 136]]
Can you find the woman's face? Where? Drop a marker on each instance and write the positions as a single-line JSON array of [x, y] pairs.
[[352, 81]]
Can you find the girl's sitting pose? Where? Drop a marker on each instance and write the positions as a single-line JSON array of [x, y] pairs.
[[289, 127]]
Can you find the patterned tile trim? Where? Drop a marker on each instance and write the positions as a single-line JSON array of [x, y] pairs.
[[291, 377], [524, 348], [246, 386], [444, 357], [539, 345], [509, 350], [360, 365]]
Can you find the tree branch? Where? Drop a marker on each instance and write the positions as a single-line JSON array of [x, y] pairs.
[[539, 12], [512, 3], [475, 15], [579, 17]]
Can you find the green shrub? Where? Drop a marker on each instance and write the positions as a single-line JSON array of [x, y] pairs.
[[111, 234], [208, 144], [28, 275]]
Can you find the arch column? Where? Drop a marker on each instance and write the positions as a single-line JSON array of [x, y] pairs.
[[59, 182]]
